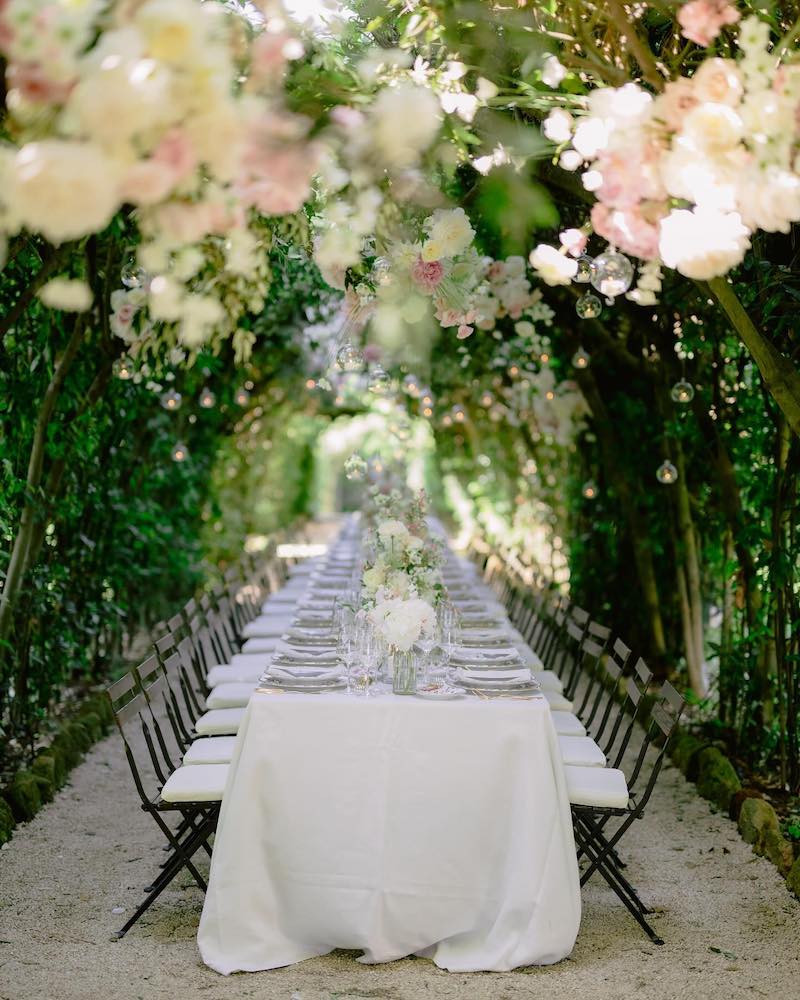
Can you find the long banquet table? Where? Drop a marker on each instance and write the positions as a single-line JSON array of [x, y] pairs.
[[393, 825]]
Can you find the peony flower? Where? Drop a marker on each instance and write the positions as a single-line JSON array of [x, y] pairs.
[[714, 128], [675, 103], [702, 244], [63, 190], [769, 199], [427, 274], [392, 531], [402, 622], [464, 331], [404, 121], [702, 20], [553, 268], [627, 229], [373, 578], [574, 240], [67, 294]]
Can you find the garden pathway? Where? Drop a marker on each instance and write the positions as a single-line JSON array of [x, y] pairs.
[[732, 929]]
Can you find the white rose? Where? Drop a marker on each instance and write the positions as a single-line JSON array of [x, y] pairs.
[[63, 293], [702, 244], [374, 578], [553, 268], [713, 127], [769, 199], [450, 230], [552, 72], [404, 121], [63, 190], [718, 81], [557, 126]]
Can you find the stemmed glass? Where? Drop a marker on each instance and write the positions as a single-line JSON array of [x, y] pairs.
[[448, 623], [365, 655]]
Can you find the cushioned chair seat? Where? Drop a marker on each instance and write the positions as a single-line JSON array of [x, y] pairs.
[[557, 701], [265, 644], [549, 680], [596, 786], [581, 750], [567, 724], [267, 626], [196, 784], [220, 722], [234, 695], [210, 750], [247, 671]]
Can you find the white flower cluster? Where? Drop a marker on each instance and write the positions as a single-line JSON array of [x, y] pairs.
[[172, 107], [723, 142], [402, 622]]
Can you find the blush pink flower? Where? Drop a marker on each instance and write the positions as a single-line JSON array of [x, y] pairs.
[[627, 229], [464, 331], [427, 275], [372, 353], [702, 20], [34, 85], [676, 101], [629, 175]]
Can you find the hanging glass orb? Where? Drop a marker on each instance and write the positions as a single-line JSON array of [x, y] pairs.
[[355, 467], [612, 273], [349, 358], [411, 385], [589, 489], [588, 306], [242, 397], [427, 411], [666, 473], [584, 273], [123, 369], [381, 270], [180, 452], [458, 414], [580, 359], [131, 275], [682, 392], [207, 399], [171, 400], [447, 420], [379, 380], [486, 399], [402, 431], [426, 397]]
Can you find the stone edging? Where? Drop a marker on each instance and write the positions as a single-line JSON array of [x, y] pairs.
[[703, 762], [33, 786]]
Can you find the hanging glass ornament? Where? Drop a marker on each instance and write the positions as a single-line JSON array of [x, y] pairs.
[[682, 392], [171, 400], [122, 368], [349, 358], [381, 270], [589, 489], [426, 397], [427, 411], [580, 358], [584, 273], [379, 380], [486, 400], [355, 467], [612, 273], [411, 385], [447, 420], [180, 452], [207, 399], [666, 473], [588, 306], [242, 397], [131, 275], [458, 414]]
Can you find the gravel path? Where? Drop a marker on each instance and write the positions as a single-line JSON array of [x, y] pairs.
[[732, 929]]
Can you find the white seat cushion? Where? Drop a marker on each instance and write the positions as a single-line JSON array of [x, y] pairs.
[[557, 701], [596, 786], [567, 724], [234, 695], [262, 645], [581, 750], [196, 784], [220, 722], [247, 670], [210, 750], [549, 680]]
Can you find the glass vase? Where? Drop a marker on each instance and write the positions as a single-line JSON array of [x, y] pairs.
[[404, 672]]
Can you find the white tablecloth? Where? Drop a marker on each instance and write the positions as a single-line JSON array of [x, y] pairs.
[[396, 826]]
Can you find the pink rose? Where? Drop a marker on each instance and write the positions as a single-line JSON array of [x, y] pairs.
[[464, 331], [32, 82], [175, 152], [702, 20], [675, 103], [427, 274]]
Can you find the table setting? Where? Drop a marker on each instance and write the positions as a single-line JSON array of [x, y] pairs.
[[396, 784]]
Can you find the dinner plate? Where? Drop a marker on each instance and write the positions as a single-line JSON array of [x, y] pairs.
[[440, 692], [486, 684]]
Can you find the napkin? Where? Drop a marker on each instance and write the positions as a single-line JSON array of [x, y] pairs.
[[505, 656], [295, 673], [289, 655], [508, 676]]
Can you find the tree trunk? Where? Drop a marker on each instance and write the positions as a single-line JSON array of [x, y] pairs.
[[19, 560], [688, 555]]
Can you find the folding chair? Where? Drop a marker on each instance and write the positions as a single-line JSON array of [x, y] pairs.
[[599, 794], [190, 793]]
